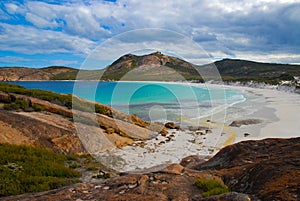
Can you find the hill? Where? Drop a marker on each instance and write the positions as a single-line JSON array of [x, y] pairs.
[[159, 67], [242, 70], [155, 66], [26, 74]]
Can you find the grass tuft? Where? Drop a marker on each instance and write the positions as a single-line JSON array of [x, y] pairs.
[[211, 187]]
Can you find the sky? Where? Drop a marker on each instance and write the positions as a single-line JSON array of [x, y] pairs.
[[67, 32]]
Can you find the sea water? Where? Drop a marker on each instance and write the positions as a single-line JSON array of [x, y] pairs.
[[152, 101]]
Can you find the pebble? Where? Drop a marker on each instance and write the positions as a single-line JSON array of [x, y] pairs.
[[106, 188], [132, 186], [97, 187], [122, 191]]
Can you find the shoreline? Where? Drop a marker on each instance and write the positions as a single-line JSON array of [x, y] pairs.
[[260, 85], [278, 112], [271, 93]]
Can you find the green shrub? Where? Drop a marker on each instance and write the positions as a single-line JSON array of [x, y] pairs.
[[211, 187], [38, 108], [18, 104], [26, 169], [74, 165], [216, 191], [63, 100]]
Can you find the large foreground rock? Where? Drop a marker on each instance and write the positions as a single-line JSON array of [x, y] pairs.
[[58, 135], [256, 170], [70, 131], [269, 169]]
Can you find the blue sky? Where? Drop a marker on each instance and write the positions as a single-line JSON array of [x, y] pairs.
[[53, 32]]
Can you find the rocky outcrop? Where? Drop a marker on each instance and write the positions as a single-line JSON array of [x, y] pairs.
[[137, 187], [40, 133], [267, 168], [50, 107], [124, 128], [239, 123], [255, 170], [58, 127], [234, 196]]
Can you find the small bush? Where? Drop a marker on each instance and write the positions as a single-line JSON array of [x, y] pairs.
[[211, 187]]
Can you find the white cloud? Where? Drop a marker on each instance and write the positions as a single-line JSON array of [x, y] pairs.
[[12, 8], [30, 40], [270, 57], [222, 27], [40, 22]]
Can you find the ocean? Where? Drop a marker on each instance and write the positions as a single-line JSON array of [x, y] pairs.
[[152, 101]]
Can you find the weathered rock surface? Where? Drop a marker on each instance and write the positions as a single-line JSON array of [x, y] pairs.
[[269, 169], [192, 161], [239, 123], [256, 170], [135, 187], [124, 129], [173, 169], [56, 130], [229, 196], [170, 125], [40, 133]]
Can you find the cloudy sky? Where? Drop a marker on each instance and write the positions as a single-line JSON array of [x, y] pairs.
[[65, 32]]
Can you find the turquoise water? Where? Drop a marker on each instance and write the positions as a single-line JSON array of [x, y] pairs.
[[149, 100]]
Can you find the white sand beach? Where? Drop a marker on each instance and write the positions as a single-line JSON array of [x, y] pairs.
[[277, 111]]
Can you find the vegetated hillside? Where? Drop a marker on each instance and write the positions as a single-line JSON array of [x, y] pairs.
[[155, 66], [26, 74], [242, 70], [47, 73], [159, 67]]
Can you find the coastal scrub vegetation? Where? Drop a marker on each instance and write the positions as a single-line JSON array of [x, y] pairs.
[[68, 101], [26, 169], [64, 100], [211, 187], [24, 105]]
